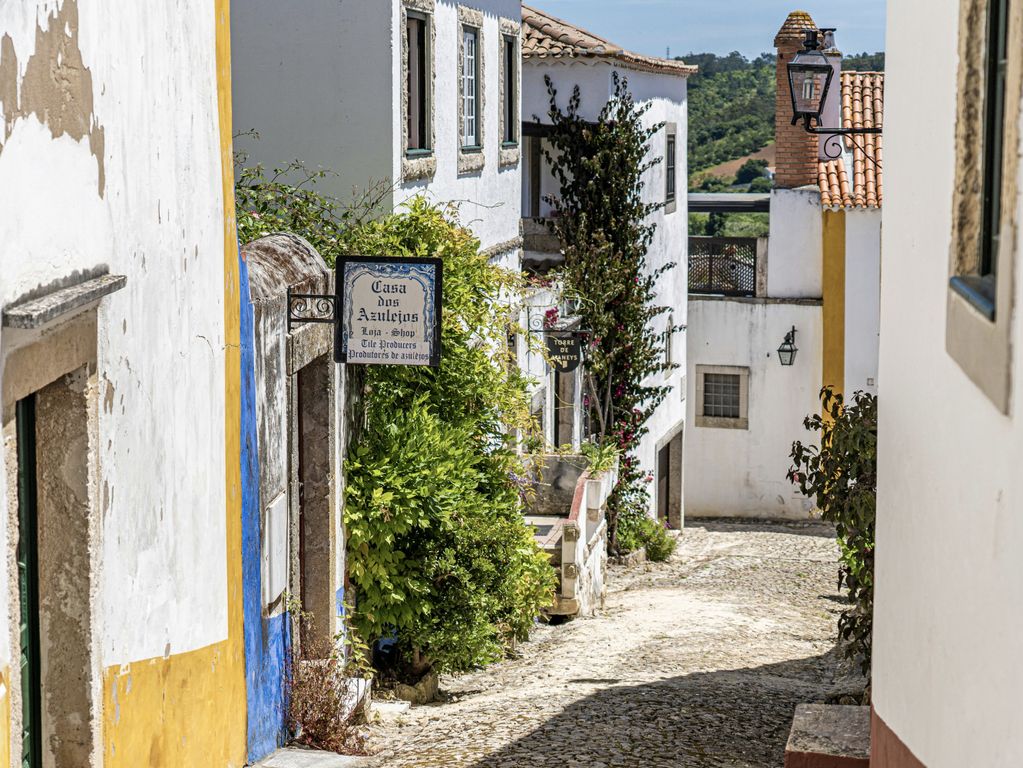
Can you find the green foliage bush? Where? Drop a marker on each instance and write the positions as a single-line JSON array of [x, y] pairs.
[[438, 551], [641, 530], [602, 221], [841, 475]]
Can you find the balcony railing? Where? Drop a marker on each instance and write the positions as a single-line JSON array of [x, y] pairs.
[[725, 266]]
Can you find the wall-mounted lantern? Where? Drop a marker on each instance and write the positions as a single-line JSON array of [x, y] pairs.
[[810, 78], [787, 351]]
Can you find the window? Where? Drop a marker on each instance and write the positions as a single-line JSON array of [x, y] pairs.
[[419, 76], [980, 296], [670, 166], [722, 396], [669, 343], [509, 133], [470, 88]]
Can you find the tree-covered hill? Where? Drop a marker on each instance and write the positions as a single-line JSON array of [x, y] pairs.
[[731, 104]]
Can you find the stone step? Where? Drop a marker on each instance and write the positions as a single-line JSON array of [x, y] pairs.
[[829, 736]]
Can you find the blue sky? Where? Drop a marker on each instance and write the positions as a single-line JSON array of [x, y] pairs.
[[718, 26]]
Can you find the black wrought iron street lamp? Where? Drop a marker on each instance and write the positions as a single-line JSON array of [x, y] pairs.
[[810, 78], [787, 350]]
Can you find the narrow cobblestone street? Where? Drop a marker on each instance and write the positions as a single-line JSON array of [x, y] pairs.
[[696, 662]]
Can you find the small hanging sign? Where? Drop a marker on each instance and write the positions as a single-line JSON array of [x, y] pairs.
[[389, 311], [565, 349]]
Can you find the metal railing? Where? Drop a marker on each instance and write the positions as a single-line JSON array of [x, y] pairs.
[[726, 266]]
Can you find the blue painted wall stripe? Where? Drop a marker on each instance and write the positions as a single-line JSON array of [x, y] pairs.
[[267, 639]]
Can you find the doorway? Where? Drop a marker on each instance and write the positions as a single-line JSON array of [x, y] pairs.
[[55, 574], [670, 480], [314, 508]]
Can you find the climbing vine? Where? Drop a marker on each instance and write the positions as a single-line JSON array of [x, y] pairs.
[[602, 221]]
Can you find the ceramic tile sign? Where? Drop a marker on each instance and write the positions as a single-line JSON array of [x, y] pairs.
[[390, 311], [565, 349]]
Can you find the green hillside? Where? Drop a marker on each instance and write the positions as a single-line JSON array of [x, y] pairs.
[[731, 104]]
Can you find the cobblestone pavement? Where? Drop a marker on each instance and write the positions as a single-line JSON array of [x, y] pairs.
[[696, 662]]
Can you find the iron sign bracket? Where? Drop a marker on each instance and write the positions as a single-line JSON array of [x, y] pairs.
[[311, 308]]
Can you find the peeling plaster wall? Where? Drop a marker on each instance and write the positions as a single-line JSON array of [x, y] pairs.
[[119, 168]]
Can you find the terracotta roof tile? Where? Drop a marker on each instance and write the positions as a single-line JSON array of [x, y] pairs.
[[862, 107], [547, 37]]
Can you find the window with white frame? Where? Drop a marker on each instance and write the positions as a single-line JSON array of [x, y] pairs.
[[471, 113], [722, 396]]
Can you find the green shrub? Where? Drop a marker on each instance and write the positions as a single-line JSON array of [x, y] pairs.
[[841, 475], [643, 531], [438, 550]]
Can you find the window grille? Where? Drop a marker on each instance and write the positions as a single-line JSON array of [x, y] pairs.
[[669, 168], [721, 395]]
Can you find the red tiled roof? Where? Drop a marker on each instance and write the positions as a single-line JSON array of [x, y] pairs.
[[862, 107], [547, 37]]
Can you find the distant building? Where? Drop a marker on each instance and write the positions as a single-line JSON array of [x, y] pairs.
[[572, 56], [818, 273], [947, 619], [419, 95]]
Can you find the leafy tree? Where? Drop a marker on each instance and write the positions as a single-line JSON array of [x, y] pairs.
[[864, 62], [603, 224], [751, 170], [841, 475], [761, 184]]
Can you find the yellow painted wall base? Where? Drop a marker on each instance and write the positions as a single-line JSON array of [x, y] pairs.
[[833, 373], [179, 711]]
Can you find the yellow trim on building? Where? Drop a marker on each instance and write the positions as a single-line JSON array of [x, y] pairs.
[[190, 709], [833, 373]]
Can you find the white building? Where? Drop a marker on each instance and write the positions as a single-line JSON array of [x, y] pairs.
[[419, 95], [572, 56], [818, 273], [120, 372], [947, 618]]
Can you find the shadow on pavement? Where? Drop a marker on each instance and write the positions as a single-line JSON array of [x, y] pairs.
[[818, 528], [730, 718]]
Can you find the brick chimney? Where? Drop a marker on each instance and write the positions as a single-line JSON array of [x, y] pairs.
[[796, 163]]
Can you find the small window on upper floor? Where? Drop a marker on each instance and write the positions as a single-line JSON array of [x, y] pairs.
[[418, 85], [670, 167], [509, 132], [471, 112]]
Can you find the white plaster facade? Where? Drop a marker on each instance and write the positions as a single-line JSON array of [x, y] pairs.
[[947, 624], [665, 96], [124, 177], [323, 82]]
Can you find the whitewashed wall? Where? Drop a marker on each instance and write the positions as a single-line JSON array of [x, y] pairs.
[[488, 200], [948, 623], [159, 220], [742, 472], [666, 97], [321, 81], [795, 263], [862, 299]]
